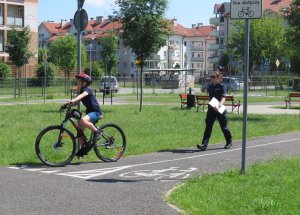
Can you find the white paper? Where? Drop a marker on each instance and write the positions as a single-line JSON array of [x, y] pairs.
[[214, 103]]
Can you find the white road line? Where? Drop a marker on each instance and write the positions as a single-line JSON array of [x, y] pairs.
[[98, 172], [216, 153]]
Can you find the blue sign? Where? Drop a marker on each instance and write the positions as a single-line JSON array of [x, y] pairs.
[[266, 62]]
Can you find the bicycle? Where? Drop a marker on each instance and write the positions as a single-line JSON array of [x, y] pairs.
[[245, 11], [56, 146]]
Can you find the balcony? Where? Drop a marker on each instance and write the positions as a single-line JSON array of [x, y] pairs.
[[14, 21], [214, 59], [214, 21], [216, 46], [16, 1], [174, 47], [217, 21], [155, 57], [197, 59], [197, 49], [175, 58], [214, 33], [90, 47]]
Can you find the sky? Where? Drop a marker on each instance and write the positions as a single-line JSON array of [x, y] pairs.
[[187, 12]]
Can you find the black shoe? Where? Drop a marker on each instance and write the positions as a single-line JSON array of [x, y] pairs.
[[228, 146], [97, 135], [202, 147], [83, 151]]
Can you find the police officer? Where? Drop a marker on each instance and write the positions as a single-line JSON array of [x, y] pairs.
[[216, 90]]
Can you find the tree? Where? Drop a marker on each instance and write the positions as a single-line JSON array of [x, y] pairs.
[[293, 35], [109, 51], [63, 53], [5, 70], [267, 40], [97, 69], [144, 29], [18, 49], [50, 71]]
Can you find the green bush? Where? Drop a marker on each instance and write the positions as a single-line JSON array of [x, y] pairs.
[[97, 69], [50, 71], [5, 70]]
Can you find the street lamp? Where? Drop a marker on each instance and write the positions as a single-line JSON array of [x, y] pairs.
[[90, 48]]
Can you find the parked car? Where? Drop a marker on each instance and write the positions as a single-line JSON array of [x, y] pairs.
[[109, 83], [230, 84]]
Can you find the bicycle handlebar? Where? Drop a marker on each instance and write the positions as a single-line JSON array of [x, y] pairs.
[[64, 106]]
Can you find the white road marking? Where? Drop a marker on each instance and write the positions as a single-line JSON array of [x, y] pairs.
[[161, 174], [98, 172], [93, 173]]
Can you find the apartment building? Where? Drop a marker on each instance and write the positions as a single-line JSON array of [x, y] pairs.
[[18, 14], [222, 23], [186, 48]]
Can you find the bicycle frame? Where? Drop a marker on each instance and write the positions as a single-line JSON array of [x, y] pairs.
[[69, 117]]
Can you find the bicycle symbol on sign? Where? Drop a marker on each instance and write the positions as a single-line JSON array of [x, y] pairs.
[[245, 11], [163, 174]]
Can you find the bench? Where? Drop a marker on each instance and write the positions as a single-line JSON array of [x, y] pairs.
[[201, 101], [293, 97], [229, 101], [183, 100], [74, 92]]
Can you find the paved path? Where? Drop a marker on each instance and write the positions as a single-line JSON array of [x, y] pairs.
[[263, 108], [134, 185]]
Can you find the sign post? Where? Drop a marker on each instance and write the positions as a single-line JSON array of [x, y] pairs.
[[242, 9]]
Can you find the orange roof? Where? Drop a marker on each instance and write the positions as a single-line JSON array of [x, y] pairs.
[[55, 28], [276, 5], [102, 29]]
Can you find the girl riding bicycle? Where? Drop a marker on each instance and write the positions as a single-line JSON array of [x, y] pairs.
[[93, 110]]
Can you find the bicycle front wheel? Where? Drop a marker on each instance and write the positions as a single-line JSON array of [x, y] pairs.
[[112, 143], [55, 146]]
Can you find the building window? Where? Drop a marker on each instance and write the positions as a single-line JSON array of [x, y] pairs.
[[124, 65]]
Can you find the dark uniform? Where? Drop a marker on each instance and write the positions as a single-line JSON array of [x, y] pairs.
[[217, 91]]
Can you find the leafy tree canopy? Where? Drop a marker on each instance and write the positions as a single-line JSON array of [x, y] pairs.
[[18, 45], [267, 39], [144, 29], [109, 49]]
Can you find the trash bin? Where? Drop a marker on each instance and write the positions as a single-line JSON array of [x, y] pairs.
[[191, 99], [107, 90]]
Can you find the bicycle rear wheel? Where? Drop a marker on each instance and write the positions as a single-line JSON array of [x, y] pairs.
[[112, 143], [55, 146]]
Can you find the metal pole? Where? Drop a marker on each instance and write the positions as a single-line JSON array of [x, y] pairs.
[[25, 84], [245, 102], [90, 61], [78, 61], [78, 48], [45, 82], [289, 67]]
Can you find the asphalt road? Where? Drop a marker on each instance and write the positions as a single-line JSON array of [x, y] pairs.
[[133, 185]]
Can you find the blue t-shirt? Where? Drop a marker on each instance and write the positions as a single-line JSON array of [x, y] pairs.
[[217, 91], [90, 101]]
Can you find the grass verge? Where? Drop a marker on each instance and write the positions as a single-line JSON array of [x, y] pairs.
[[155, 129], [269, 188]]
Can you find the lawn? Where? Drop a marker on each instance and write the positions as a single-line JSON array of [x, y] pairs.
[[156, 128], [269, 188]]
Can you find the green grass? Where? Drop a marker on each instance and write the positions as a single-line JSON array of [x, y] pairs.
[[156, 128], [269, 188]]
